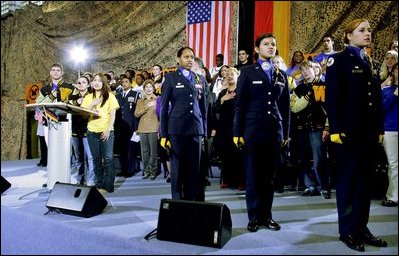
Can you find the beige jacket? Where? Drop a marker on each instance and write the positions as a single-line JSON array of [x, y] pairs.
[[148, 118]]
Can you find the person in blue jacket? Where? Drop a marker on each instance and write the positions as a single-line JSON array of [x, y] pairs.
[[183, 126], [260, 127], [354, 109]]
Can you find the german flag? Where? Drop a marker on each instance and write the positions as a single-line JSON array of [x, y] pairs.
[[51, 116]]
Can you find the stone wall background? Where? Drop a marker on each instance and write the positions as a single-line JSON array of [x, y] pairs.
[[311, 20], [138, 34]]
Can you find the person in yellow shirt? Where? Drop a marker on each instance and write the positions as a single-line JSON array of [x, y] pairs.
[[100, 133]]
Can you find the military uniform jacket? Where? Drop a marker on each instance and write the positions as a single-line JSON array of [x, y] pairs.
[[187, 115], [353, 97], [127, 107], [260, 103]]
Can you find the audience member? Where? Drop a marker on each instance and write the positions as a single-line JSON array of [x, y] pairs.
[[390, 107], [219, 63], [232, 169], [385, 74], [148, 130], [242, 59], [125, 125], [327, 51], [308, 107], [82, 173], [293, 69], [100, 133]]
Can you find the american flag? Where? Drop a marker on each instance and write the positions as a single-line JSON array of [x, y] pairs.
[[208, 29]]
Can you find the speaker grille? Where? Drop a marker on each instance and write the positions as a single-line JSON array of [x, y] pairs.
[[200, 223]]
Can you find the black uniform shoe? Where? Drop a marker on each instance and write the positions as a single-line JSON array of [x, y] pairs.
[[368, 238], [353, 242], [271, 224], [389, 203], [325, 194], [41, 165], [44, 185], [253, 226]]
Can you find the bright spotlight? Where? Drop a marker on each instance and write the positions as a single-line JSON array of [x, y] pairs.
[[78, 54]]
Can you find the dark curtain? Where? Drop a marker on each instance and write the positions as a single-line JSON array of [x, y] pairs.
[[246, 27]]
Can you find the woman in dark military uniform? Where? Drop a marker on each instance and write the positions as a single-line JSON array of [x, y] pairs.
[[354, 107], [261, 124], [183, 126]]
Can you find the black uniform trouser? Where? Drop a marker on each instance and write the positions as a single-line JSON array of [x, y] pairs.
[[126, 156], [185, 164], [260, 160], [43, 150], [356, 161]]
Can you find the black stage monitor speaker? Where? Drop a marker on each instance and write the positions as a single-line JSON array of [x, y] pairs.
[[199, 223], [79, 200], [4, 184]]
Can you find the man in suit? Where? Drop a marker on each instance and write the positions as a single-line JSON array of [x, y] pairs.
[[126, 125], [183, 127], [261, 124], [354, 108]]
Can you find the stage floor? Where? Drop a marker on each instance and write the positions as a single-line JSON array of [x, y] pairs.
[[309, 224]]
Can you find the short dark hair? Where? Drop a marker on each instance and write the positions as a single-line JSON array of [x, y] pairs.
[[142, 76], [58, 65], [180, 51], [261, 37], [131, 71]]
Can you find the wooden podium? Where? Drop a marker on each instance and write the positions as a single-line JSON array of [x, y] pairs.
[[59, 140]]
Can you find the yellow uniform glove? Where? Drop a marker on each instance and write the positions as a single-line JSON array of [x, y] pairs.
[[284, 143], [238, 141], [336, 137], [165, 143], [380, 138]]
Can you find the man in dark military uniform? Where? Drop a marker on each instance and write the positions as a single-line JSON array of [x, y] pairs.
[[125, 125], [354, 108], [184, 125], [261, 124]]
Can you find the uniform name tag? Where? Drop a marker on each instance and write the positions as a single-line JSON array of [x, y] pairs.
[[130, 99], [179, 86], [357, 71], [256, 82]]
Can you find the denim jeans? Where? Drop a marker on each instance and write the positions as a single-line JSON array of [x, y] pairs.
[[102, 152], [315, 177], [82, 155]]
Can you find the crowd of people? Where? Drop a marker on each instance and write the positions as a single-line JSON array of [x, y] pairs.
[[326, 116]]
